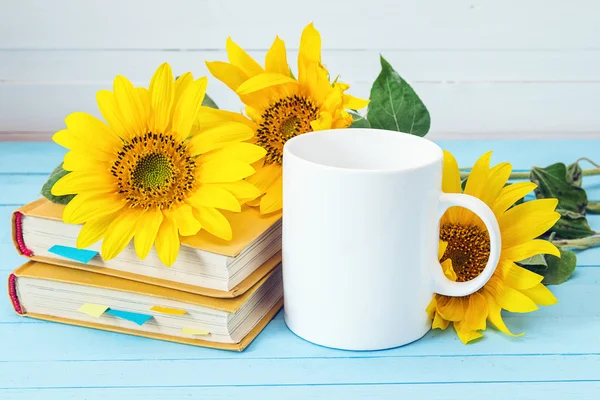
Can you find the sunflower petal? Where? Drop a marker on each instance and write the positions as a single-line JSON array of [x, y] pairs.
[[130, 106], [93, 230], [263, 81], [87, 181], [86, 207], [119, 233], [439, 322], [443, 245], [242, 190], [448, 270], [76, 160], [495, 314], [276, 59], [146, 231], [214, 196], [355, 103], [432, 306], [498, 177], [229, 74], [510, 299], [527, 221], [540, 294], [185, 221], [89, 128], [220, 136], [246, 152], [68, 140], [529, 249], [310, 45], [518, 277], [452, 308], [510, 194], [265, 176], [213, 222], [188, 107], [162, 94], [323, 122], [181, 84], [465, 335], [223, 171], [167, 242], [238, 57], [211, 117], [273, 199], [110, 112], [476, 313]]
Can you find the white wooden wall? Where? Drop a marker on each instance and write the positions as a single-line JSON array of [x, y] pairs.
[[503, 68]]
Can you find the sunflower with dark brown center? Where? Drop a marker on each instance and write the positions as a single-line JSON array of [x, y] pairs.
[[281, 106], [465, 249]]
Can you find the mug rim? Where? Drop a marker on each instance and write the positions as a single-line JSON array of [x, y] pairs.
[[288, 151]]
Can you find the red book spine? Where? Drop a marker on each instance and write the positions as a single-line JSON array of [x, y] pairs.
[[12, 292], [19, 230]]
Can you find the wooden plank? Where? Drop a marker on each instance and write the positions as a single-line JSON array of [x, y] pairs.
[[405, 24], [473, 110], [285, 371], [446, 391], [416, 65]]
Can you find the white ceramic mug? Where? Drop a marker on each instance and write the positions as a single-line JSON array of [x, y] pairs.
[[361, 212]]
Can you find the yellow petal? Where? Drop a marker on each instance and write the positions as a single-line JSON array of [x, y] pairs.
[[90, 129], [93, 230], [509, 196], [227, 73], [146, 231], [76, 160], [265, 176], [354, 103], [213, 195], [263, 81], [540, 294], [213, 222], [439, 322], [527, 221], [443, 245], [448, 270], [238, 57], [451, 174], [87, 181], [452, 308], [188, 107], [479, 175], [495, 314], [67, 139], [276, 59], [529, 249], [476, 313], [464, 335], [246, 152], [323, 122], [508, 298], [181, 84], [130, 106], [432, 306], [184, 219], [223, 171], [111, 114], [211, 117], [242, 190], [145, 99], [86, 207], [162, 93], [119, 233], [518, 277], [498, 177], [219, 136], [272, 200], [167, 242], [310, 45]]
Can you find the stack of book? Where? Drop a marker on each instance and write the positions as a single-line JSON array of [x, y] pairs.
[[217, 294]]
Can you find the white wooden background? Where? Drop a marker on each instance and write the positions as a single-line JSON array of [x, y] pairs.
[[501, 69]]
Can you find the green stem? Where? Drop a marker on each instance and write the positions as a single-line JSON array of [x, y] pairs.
[[525, 175], [578, 244]]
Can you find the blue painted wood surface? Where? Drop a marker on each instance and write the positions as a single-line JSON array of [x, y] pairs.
[[558, 358]]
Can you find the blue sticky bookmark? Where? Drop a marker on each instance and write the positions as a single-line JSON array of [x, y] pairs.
[[139, 319], [81, 255]]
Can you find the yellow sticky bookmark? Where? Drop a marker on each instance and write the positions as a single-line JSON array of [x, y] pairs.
[[192, 331], [93, 310], [167, 310]]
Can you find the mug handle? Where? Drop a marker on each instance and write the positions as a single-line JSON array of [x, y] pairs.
[[443, 285]]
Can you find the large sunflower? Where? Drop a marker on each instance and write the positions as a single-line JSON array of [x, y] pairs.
[[161, 166], [465, 248], [282, 106]]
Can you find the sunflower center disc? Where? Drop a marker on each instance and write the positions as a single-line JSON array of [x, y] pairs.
[[468, 248], [284, 119], [153, 171]]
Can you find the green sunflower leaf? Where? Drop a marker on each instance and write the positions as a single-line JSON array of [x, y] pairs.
[[538, 261], [395, 106], [557, 270], [208, 102], [359, 121], [55, 175], [574, 175]]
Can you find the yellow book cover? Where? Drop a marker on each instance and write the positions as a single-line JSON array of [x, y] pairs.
[[206, 264], [83, 298]]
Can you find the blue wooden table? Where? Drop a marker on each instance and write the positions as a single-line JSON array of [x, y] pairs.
[[558, 358]]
